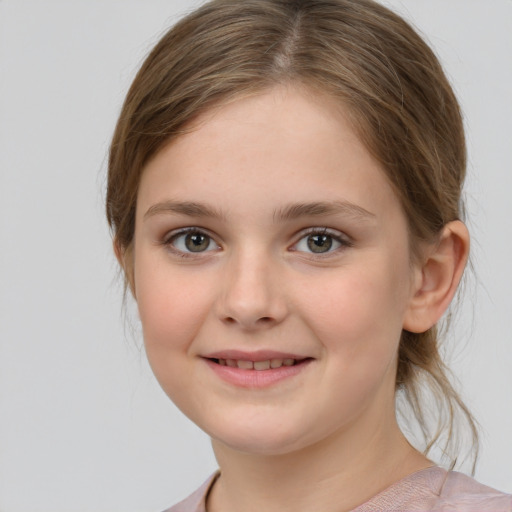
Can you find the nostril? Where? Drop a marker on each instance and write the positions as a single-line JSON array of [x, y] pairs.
[[264, 320]]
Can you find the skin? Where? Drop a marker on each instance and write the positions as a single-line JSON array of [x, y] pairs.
[[326, 438]]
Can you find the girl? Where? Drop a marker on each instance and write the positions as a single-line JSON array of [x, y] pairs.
[[284, 193]]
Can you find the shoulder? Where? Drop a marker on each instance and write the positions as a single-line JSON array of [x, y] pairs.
[[463, 493], [196, 502], [436, 490]]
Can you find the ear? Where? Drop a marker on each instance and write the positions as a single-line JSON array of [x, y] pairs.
[[124, 257], [438, 278]]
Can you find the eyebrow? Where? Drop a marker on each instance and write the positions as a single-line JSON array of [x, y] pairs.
[[319, 209], [188, 208], [286, 213]]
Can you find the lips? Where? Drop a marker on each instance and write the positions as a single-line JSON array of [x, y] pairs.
[[256, 365], [256, 369]]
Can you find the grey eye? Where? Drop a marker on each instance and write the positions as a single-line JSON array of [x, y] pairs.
[[197, 242], [319, 243], [193, 241]]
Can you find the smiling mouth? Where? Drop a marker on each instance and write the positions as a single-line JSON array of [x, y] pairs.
[[269, 364], [256, 370]]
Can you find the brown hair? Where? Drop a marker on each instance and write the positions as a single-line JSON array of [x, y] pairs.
[[359, 53]]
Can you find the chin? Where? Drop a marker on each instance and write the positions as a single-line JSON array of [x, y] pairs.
[[264, 440], [257, 445]]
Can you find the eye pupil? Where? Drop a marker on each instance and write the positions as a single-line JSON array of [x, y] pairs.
[[196, 242], [319, 243]]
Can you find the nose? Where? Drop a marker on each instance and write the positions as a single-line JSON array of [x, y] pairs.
[[252, 296]]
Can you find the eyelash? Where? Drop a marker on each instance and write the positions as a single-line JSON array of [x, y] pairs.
[[335, 236], [171, 238]]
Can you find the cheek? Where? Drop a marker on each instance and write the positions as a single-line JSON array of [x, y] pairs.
[[172, 308], [358, 321], [347, 306], [171, 305], [358, 318]]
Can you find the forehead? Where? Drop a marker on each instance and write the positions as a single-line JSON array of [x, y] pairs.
[[283, 145]]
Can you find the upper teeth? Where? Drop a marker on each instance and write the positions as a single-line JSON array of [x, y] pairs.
[[256, 365]]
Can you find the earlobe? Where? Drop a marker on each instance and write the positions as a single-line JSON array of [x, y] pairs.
[[124, 257], [439, 278]]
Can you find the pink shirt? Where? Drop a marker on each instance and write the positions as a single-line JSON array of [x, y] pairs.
[[433, 489]]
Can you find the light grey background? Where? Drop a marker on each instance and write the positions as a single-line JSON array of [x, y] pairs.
[[83, 425]]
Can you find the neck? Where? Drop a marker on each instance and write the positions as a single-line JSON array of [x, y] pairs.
[[335, 475]]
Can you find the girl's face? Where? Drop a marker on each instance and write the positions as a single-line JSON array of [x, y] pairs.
[[272, 274]]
